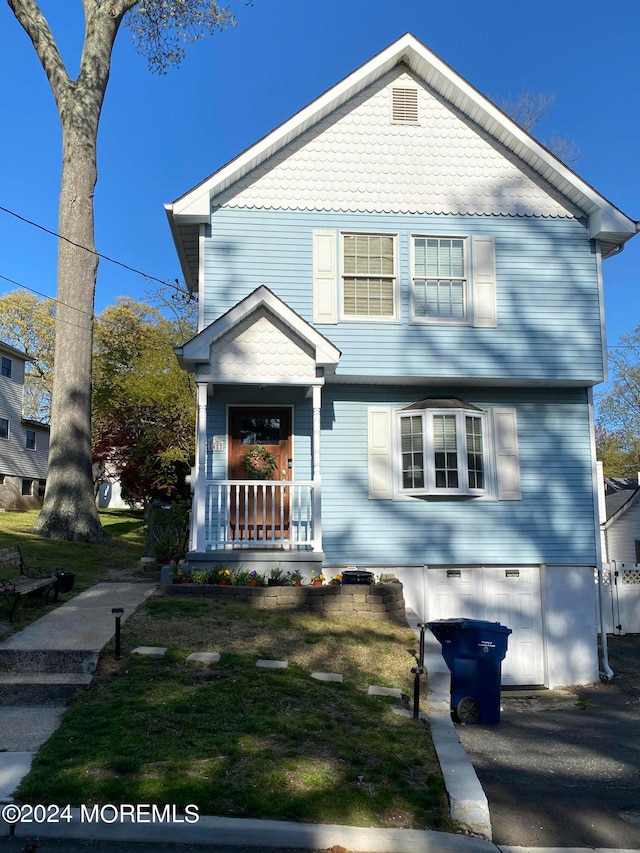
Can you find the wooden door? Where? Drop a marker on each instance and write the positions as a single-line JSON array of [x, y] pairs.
[[259, 509]]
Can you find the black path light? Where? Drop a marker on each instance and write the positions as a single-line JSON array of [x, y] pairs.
[[417, 672], [422, 626], [117, 612]]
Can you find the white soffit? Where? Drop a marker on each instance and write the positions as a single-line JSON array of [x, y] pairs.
[[194, 205]]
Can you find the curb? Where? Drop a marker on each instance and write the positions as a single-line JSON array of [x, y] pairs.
[[468, 803], [251, 833]]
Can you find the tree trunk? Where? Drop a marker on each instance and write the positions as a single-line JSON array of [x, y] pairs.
[[69, 509]]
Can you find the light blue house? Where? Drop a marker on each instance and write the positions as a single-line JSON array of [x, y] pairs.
[[401, 324]]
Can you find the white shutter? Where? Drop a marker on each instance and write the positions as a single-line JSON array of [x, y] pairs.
[[325, 277], [379, 449], [507, 463], [484, 283]]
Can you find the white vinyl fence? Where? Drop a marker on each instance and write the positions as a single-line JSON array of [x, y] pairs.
[[621, 597]]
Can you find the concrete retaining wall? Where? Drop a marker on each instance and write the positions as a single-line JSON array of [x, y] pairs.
[[382, 602]]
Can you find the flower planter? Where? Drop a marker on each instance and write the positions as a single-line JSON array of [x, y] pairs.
[[65, 580], [316, 583]]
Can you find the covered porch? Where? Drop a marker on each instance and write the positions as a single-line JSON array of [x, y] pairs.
[[257, 491]]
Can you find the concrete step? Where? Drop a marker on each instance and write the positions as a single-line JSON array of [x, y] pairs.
[[47, 660], [41, 688]]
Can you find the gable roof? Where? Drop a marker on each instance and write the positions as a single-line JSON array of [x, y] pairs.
[[16, 353], [606, 222], [617, 503], [198, 349]]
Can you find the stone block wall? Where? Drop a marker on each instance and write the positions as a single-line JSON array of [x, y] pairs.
[[382, 602]]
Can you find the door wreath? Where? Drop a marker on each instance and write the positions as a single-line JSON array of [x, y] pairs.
[[260, 463]]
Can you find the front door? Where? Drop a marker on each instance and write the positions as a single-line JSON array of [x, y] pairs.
[[260, 452]]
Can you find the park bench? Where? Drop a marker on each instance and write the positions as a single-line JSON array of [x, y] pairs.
[[28, 580]]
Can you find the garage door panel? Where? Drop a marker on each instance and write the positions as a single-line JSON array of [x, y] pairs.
[[509, 595]]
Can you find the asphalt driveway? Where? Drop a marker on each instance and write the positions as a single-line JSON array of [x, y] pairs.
[[562, 769]]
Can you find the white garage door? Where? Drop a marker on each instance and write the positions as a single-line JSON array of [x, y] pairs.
[[510, 596]]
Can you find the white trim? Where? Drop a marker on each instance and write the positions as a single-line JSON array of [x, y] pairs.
[[603, 326], [201, 276], [198, 532]]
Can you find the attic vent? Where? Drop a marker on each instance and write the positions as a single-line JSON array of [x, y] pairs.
[[404, 106]]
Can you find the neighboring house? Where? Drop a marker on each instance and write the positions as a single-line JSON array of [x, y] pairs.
[[401, 324], [24, 444], [620, 520], [620, 536]]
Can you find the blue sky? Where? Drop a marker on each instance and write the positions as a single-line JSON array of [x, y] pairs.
[[161, 135]]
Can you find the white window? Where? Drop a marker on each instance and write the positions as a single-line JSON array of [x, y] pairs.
[[4, 427], [442, 450], [368, 276], [30, 441], [440, 279]]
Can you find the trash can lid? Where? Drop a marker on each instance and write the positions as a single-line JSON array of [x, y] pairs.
[[470, 624]]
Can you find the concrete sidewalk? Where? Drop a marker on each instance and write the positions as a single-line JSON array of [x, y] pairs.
[[44, 665]]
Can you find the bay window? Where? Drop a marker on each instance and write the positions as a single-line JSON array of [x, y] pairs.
[[442, 448]]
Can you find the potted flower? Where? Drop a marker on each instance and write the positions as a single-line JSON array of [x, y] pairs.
[[223, 577], [336, 580], [297, 578], [255, 578], [276, 577], [317, 580], [181, 574]]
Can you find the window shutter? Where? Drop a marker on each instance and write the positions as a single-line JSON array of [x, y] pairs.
[[325, 277], [484, 283], [379, 433], [507, 462]]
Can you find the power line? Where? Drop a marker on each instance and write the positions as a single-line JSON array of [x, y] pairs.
[[175, 284]]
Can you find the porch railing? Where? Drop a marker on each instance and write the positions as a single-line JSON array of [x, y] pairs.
[[259, 514]]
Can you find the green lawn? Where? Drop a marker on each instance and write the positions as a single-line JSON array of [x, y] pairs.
[[91, 563], [240, 741]]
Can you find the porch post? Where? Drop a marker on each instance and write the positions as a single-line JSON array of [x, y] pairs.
[[317, 488], [198, 513]]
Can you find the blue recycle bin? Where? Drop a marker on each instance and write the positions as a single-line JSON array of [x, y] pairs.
[[473, 650]]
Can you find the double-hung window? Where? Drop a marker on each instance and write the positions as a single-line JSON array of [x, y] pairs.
[[368, 276], [442, 449], [6, 367], [440, 279], [4, 427], [30, 439]]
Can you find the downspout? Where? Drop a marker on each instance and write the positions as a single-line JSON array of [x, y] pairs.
[[606, 673]]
